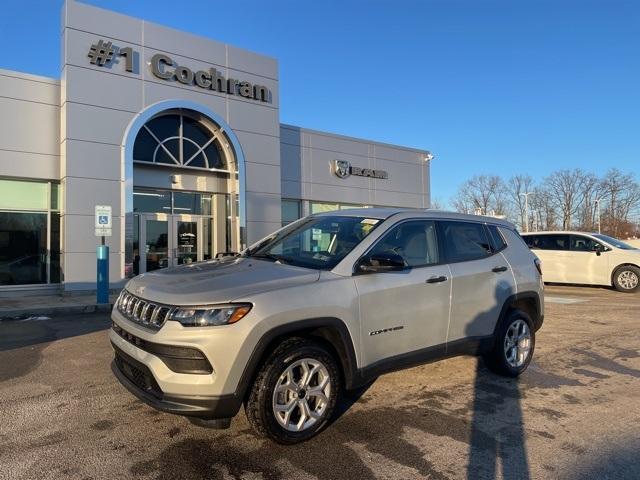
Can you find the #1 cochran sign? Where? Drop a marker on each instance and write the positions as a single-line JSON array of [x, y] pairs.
[[103, 221]]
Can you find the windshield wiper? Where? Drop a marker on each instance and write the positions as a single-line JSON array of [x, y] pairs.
[[270, 256]]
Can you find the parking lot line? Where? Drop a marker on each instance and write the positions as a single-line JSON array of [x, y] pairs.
[[564, 300]]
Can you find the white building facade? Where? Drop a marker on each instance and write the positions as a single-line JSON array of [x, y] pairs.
[[181, 137]]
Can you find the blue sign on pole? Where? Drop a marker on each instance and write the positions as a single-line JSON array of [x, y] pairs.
[[103, 274]]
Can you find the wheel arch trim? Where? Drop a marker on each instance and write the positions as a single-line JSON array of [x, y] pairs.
[[345, 349]]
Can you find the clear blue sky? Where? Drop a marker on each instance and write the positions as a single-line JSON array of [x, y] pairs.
[[496, 86]]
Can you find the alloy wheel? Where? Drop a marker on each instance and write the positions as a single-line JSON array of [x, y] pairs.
[[517, 343], [301, 395], [628, 280]]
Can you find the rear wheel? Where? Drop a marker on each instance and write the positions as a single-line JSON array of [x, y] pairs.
[[295, 392], [627, 279], [514, 345]]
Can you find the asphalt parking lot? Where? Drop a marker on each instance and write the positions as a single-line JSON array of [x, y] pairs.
[[573, 414]]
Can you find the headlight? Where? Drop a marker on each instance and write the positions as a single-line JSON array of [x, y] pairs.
[[206, 317]]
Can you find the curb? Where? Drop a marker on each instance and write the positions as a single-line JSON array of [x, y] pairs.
[[51, 310]]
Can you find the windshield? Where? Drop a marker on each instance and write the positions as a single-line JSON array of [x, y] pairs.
[[614, 241], [315, 242]]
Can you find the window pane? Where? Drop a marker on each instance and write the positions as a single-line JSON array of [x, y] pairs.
[[195, 131], [215, 155], [186, 202], [23, 195], [173, 147], [317, 242], [54, 259], [152, 201], [164, 127], [323, 207], [290, 211], [136, 244], [583, 244], [465, 241], [144, 146], [23, 248], [55, 196], [551, 242], [415, 242], [497, 242]]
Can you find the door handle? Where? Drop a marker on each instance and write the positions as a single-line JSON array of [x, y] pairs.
[[439, 279], [499, 269]]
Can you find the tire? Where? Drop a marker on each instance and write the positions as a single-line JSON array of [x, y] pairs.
[[627, 279], [285, 366], [505, 356]]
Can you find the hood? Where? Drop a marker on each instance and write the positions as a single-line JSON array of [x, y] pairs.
[[217, 281]]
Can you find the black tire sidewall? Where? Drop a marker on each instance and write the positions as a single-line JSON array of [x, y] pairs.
[[498, 359], [275, 368], [619, 271]]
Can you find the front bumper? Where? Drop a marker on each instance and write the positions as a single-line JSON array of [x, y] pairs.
[[139, 380]]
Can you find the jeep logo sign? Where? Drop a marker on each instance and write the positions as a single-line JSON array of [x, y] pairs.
[[342, 169]]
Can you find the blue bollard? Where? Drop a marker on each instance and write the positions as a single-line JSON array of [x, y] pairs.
[[103, 274]]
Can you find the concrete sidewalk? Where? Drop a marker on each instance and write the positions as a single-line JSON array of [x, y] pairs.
[[51, 305]]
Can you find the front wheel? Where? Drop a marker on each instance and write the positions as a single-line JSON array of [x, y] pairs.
[[627, 279], [295, 392], [514, 344]]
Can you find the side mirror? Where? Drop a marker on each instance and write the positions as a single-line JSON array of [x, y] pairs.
[[381, 262], [598, 248]]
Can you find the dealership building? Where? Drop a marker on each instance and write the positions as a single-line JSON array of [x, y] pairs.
[[181, 137]]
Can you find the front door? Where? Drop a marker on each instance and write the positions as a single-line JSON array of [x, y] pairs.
[[405, 312], [168, 240]]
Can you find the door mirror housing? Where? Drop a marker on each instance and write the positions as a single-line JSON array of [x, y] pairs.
[[598, 248], [381, 262]]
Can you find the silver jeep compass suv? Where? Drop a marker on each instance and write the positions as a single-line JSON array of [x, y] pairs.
[[323, 305]]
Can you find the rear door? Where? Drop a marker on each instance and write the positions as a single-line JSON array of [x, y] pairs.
[[554, 252], [481, 280], [405, 311]]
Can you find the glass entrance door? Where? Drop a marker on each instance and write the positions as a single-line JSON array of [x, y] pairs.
[[187, 240], [156, 243], [168, 240]]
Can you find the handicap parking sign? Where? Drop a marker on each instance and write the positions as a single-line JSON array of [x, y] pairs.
[[103, 220]]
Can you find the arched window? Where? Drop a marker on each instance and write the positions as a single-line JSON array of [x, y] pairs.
[[182, 138]]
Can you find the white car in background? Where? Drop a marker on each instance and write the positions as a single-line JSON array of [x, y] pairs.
[[586, 258]]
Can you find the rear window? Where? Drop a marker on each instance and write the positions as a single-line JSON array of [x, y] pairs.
[[496, 238], [465, 241], [547, 242]]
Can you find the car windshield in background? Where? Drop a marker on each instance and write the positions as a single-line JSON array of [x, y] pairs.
[[317, 242], [614, 241]]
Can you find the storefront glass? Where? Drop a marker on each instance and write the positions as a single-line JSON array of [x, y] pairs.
[[29, 233]]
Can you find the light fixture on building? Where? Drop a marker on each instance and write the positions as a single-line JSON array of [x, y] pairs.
[[175, 179], [428, 157]]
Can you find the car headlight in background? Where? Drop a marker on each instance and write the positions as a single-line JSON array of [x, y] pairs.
[[209, 316]]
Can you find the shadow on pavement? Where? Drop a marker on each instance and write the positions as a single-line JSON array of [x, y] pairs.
[[22, 341]]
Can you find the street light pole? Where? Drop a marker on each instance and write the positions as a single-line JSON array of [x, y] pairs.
[[526, 209], [598, 213]]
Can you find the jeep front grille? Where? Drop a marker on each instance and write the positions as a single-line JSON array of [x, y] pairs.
[[141, 311]]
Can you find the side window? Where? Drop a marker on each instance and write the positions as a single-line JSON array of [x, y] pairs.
[[553, 242], [583, 244], [415, 241], [496, 238], [532, 241], [465, 241]]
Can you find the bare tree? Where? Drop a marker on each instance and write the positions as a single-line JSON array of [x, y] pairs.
[[484, 194], [517, 186], [622, 194], [566, 188], [592, 192], [545, 216]]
